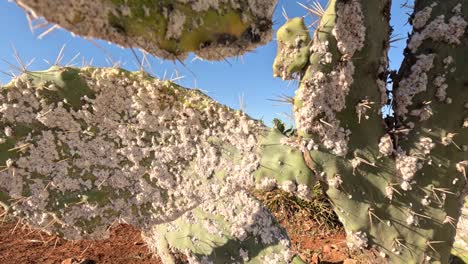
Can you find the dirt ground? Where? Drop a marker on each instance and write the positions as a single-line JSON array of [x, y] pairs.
[[19, 244]]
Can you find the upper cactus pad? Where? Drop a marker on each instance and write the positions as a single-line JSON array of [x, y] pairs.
[[213, 29]]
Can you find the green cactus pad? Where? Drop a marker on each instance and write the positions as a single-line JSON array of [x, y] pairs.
[[213, 30], [84, 148], [284, 166], [81, 149], [232, 230], [293, 41]]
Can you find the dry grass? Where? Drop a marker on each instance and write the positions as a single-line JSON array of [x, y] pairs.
[[288, 206]]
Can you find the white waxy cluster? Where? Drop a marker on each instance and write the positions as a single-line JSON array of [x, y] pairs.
[[406, 166], [440, 81], [203, 5], [420, 18], [389, 192], [335, 181], [406, 186], [425, 144], [175, 24], [258, 7], [311, 145], [323, 94], [426, 201], [412, 220], [349, 31], [304, 192], [288, 186], [414, 83], [266, 184], [439, 30], [142, 149], [386, 145], [357, 240], [321, 49]]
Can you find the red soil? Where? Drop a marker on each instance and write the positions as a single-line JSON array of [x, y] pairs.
[[19, 244]]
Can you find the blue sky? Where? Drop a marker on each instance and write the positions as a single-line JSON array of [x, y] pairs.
[[250, 77]]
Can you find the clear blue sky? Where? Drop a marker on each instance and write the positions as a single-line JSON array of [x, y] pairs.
[[223, 81]]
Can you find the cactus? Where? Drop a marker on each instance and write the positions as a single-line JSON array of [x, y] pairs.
[[168, 29], [208, 233], [77, 153], [232, 230], [398, 191], [82, 149]]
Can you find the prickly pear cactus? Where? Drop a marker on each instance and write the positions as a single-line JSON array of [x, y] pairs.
[[213, 29], [397, 190], [82, 149], [237, 229], [85, 147]]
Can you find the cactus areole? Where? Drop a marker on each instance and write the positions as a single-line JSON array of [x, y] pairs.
[[81, 149]]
